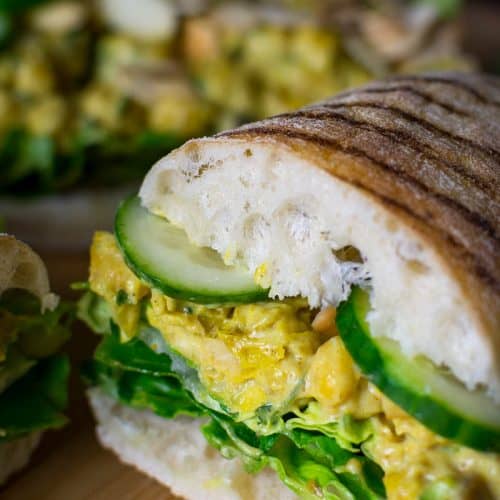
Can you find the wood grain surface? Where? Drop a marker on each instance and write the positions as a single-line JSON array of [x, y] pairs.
[[70, 464]]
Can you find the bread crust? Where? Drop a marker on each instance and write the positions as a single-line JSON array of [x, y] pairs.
[[21, 267], [427, 148], [14, 455]]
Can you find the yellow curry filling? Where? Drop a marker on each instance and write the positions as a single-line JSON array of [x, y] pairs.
[[284, 354]]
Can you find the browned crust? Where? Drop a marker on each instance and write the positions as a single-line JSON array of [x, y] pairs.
[[427, 148]]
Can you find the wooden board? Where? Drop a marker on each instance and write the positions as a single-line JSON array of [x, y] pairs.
[[70, 464]]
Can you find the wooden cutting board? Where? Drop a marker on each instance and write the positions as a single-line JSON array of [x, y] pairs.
[[70, 464]]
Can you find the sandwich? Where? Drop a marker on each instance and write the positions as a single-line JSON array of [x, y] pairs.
[[92, 93], [314, 297], [33, 373]]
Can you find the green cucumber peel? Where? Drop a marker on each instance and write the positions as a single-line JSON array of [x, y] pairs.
[[161, 255], [432, 397]]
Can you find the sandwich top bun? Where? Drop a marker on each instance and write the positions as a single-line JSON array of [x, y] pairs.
[[406, 171]]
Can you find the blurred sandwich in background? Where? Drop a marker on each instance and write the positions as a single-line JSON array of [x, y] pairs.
[[92, 92]]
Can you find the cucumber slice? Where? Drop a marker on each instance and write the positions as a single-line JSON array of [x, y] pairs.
[[428, 393], [161, 255]]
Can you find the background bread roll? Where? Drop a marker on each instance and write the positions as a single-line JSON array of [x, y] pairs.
[[21, 267]]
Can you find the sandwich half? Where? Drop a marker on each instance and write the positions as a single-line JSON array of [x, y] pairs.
[[33, 374], [316, 294]]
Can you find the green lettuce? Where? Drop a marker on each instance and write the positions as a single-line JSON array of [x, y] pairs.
[[163, 395], [95, 312], [310, 462], [36, 401], [134, 355], [307, 477], [323, 449], [347, 431], [34, 334], [139, 354], [27, 335], [14, 367], [33, 379]]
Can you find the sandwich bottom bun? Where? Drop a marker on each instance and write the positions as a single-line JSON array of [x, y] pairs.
[[14, 455], [175, 453]]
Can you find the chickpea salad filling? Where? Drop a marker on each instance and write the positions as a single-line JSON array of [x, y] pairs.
[[280, 384]]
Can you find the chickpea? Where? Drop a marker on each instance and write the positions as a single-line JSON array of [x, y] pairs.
[[180, 111], [33, 75], [332, 378], [46, 115]]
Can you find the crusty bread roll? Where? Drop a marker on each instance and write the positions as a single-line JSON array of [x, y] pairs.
[[176, 453], [21, 267], [406, 170]]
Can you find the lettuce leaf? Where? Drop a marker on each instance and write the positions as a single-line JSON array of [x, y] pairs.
[[95, 312], [14, 367], [308, 460], [34, 334], [323, 449], [33, 379], [349, 433], [134, 355], [36, 401], [138, 355], [310, 464], [163, 395], [306, 477]]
